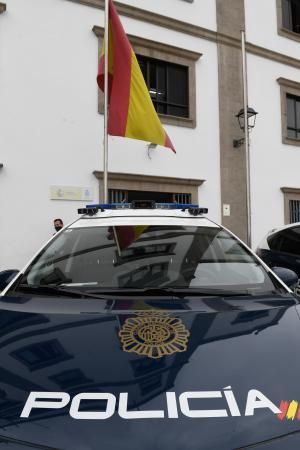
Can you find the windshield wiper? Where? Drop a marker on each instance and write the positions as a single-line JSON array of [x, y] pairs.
[[147, 291], [62, 291], [178, 292]]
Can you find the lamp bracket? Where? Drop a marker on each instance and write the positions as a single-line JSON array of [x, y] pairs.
[[151, 146], [238, 142]]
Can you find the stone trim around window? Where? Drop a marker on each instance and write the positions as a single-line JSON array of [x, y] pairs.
[[285, 32], [2, 8], [289, 194], [167, 53], [293, 88], [133, 182]]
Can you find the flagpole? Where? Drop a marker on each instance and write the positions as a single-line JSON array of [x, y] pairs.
[[246, 131], [117, 241], [105, 138]]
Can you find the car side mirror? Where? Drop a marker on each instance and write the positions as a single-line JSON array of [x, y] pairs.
[[289, 277], [6, 276]]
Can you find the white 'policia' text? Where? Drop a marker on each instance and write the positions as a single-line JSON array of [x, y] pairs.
[[175, 405]]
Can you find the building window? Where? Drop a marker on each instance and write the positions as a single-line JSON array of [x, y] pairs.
[[294, 210], [127, 187], [290, 111], [70, 379], [291, 15], [144, 251], [288, 14], [121, 195], [167, 84], [170, 74], [291, 204], [293, 116], [42, 354], [143, 274], [183, 198], [117, 196]]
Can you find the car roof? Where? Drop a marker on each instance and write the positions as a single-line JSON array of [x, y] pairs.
[[283, 227]]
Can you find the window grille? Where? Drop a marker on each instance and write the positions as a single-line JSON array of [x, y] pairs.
[[183, 198], [294, 206], [117, 196]]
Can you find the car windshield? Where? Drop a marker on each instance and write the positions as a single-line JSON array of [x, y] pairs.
[[147, 256]]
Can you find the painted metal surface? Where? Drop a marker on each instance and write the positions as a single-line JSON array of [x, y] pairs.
[[242, 343]]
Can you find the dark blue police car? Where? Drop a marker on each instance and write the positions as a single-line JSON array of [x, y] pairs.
[[148, 328]]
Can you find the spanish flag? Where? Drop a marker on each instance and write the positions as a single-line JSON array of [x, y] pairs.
[[125, 235], [131, 111]]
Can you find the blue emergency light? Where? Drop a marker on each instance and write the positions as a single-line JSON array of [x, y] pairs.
[[143, 205], [192, 208]]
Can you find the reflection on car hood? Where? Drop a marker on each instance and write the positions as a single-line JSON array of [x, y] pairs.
[[160, 364]]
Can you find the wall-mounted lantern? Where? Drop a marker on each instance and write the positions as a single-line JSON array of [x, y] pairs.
[[251, 120]]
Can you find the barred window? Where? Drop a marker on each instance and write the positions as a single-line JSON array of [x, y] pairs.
[[183, 198], [117, 196], [294, 208], [121, 195]]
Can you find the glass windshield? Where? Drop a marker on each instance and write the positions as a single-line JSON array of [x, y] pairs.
[[152, 256]]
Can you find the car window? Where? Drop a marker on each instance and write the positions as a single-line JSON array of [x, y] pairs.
[[142, 256], [287, 241]]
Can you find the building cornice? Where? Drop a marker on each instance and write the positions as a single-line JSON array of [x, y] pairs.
[[290, 190], [192, 30], [273, 56], [154, 45], [119, 176], [153, 18], [2, 8], [288, 83]]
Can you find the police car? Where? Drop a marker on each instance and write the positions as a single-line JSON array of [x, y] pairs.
[[148, 326]]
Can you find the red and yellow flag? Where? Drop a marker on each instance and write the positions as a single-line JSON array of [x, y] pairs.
[[125, 235], [131, 111]]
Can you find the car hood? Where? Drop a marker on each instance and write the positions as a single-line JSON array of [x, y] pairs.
[[165, 367]]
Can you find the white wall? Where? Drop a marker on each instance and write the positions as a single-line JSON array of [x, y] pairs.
[[49, 129], [51, 132], [201, 13], [273, 164], [261, 28]]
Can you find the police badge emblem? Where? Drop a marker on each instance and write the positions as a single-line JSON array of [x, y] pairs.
[[154, 335]]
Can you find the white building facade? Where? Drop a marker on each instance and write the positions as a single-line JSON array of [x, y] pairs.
[[52, 124]]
